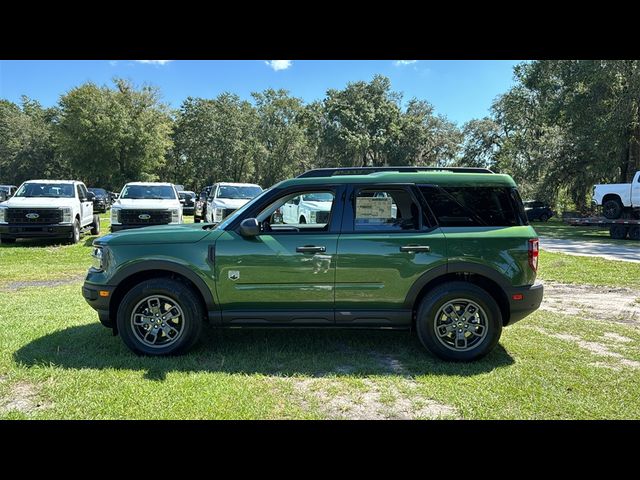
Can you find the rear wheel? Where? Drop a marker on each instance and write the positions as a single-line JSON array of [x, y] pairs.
[[618, 232], [612, 209], [160, 317], [95, 226], [634, 232], [459, 321]]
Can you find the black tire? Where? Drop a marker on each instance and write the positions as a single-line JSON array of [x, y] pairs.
[[95, 226], [543, 217], [303, 220], [196, 219], [618, 232], [612, 209], [75, 233], [634, 232], [178, 293], [7, 240], [438, 298]]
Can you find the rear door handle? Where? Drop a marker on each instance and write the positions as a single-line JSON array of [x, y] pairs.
[[310, 249], [415, 248]]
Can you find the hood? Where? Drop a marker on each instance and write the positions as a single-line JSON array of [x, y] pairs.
[[319, 206], [147, 203], [40, 202], [178, 233], [229, 202]]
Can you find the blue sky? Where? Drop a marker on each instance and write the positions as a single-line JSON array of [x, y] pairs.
[[459, 89]]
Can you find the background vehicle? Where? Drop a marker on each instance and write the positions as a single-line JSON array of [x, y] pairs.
[[311, 208], [7, 191], [200, 211], [224, 198], [49, 209], [188, 201], [365, 265], [101, 200], [619, 199], [141, 204], [538, 211]]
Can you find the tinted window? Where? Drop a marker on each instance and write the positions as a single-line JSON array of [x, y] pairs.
[[385, 210], [158, 192], [475, 206]]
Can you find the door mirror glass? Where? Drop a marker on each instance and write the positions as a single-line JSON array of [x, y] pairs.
[[249, 227]]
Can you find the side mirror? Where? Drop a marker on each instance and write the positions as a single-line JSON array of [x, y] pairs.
[[91, 196], [249, 227]]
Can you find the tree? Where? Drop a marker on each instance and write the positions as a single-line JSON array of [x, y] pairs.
[[113, 136], [481, 145]]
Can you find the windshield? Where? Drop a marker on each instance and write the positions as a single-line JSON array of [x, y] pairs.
[[229, 191], [100, 192], [55, 190], [318, 197], [156, 192], [241, 210], [186, 195]]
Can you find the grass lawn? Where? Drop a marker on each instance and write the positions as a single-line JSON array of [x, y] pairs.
[[57, 361]]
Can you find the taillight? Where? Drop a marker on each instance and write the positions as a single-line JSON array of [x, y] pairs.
[[534, 248]]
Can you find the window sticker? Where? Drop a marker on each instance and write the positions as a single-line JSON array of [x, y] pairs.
[[374, 207]]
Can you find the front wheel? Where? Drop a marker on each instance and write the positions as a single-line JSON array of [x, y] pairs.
[[459, 321], [95, 226], [544, 217], [160, 316], [75, 233], [612, 209]]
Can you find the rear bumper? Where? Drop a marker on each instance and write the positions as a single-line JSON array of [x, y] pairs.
[[530, 302], [100, 304], [36, 231]]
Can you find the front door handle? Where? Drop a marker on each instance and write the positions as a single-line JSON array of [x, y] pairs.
[[415, 248], [310, 249]]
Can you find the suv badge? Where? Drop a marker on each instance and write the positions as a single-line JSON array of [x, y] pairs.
[[144, 216], [32, 216], [234, 275]]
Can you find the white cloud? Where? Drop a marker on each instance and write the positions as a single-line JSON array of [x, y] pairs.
[[400, 63], [279, 64], [154, 62]]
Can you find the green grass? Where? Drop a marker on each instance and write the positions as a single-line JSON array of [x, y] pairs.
[[560, 267], [57, 361], [557, 229]]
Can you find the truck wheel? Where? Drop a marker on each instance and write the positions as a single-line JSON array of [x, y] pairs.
[[634, 232], [160, 317], [612, 209], [459, 321], [75, 234], [543, 217], [95, 226], [303, 220], [7, 240], [618, 232], [196, 219]]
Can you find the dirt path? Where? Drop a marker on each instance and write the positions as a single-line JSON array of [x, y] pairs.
[[610, 251], [607, 303]]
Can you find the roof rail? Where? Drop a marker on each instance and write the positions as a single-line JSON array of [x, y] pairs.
[[330, 172]]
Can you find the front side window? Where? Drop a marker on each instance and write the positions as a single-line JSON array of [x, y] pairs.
[[385, 210], [50, 190], [154, 192], [300, 211], [475, 206]]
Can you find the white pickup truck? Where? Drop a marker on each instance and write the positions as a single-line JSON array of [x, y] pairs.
[[225, 198], [618, 198], [142, 204], [48, 209]]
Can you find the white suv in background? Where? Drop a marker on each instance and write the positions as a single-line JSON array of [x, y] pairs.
[[225, 198], [141, 204], [48, 209]]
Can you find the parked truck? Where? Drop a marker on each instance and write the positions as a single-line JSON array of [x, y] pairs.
[[619, 200]]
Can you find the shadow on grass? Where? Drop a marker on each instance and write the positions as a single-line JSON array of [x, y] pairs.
[[316, 353]]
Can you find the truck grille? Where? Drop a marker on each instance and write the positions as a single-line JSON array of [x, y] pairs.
[[149, 217], [34, 216], [322, 217]]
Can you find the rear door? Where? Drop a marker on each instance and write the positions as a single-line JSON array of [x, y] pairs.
[[388, 241]]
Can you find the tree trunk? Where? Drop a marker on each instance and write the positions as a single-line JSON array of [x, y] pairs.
[[633, 164]]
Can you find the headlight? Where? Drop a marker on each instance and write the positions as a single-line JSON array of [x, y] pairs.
[[97, 258], [115, 215], [217, 215], [175, 215], [3, 215], [66, 215]]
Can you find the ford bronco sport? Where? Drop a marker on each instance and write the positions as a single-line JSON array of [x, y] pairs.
[[447, 252]]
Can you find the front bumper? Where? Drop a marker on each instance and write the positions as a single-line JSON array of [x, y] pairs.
[[36, 231], [100, 304], [529, 303]]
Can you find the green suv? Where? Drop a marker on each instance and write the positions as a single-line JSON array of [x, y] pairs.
[[447, 252]]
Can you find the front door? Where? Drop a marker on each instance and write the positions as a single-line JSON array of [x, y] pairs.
[[284, 275], [387, 243], [86, 205]]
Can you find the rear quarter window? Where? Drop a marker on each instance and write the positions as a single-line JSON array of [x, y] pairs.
[[456, 206]]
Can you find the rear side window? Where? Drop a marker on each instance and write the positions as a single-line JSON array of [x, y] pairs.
[[385, 210], [475, 206]]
